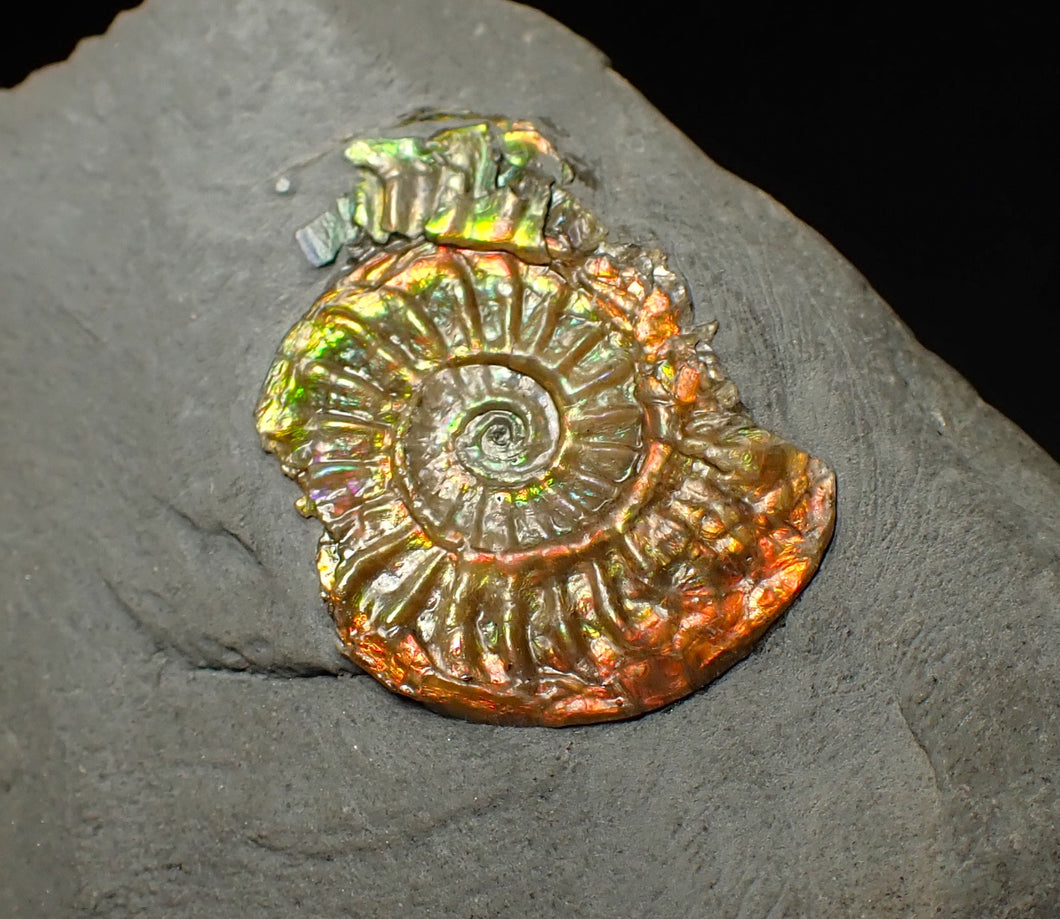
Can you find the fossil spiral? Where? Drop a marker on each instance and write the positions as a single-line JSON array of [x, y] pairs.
[[543, 502]]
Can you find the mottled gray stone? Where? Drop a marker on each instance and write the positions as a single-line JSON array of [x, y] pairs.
[[179, 736]]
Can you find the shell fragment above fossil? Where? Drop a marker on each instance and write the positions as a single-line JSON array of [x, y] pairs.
[[543, 502]]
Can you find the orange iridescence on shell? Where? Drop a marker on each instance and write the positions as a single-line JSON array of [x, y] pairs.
[[543, 503]]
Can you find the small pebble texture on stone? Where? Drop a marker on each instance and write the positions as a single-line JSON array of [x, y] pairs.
[[179, 736]]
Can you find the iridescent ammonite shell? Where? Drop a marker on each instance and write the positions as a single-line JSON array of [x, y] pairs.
[[543, 501]]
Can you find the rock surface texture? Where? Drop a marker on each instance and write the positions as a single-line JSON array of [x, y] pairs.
[[179, 735]]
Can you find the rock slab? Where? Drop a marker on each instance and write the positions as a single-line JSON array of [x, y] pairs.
[[178, 734]]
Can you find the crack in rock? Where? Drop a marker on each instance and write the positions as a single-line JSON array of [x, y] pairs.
[[222, 657]]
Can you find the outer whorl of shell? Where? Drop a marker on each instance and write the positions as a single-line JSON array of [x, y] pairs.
[[543, 502]]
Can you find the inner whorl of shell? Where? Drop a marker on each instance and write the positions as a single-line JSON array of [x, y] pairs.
[[542, 501]]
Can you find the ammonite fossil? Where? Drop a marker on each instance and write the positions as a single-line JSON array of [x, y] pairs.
[[543, 502]]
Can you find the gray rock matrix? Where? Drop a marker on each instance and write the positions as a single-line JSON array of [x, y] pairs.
[[179, 736]]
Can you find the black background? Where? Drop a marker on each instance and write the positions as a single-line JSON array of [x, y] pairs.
[[922, 146]]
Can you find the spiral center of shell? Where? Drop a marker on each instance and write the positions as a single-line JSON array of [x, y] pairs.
[[479, 439], [495, 444]]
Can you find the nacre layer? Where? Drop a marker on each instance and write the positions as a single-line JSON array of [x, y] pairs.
[[543, 502]]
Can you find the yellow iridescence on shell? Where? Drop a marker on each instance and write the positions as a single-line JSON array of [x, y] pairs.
[[543, 502]]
